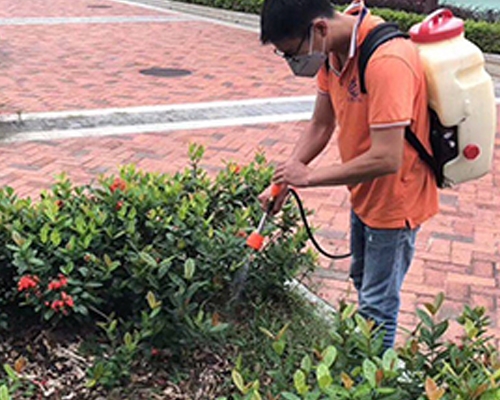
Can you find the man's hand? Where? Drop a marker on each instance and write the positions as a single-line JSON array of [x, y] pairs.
[[293, 172], [278, 204]]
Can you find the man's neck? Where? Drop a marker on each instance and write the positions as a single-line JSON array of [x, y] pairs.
[[343, 24]]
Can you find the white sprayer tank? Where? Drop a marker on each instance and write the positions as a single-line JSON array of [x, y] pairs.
[[460, 91]]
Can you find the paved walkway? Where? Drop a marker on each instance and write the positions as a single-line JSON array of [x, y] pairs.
[[88, 54]]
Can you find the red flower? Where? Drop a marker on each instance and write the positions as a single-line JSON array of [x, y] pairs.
[[118, 184], [119, 205], [63, 280], [155, 352], [67, 299], [57, 305], [58, 284], [55, 285], [27, 282], [59, 204], [235, 168]]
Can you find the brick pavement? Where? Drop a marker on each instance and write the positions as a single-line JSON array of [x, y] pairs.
[[64, 8], [65, 67]]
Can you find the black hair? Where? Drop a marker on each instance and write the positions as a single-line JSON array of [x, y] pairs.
[[290, 19]]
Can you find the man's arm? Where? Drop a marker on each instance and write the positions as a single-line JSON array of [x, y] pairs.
[[318, 133], [384, 157]]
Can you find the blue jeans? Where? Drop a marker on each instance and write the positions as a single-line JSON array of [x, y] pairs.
[[380, 260]]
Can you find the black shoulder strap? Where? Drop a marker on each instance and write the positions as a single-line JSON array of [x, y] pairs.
[[378, 36], [425, 156]]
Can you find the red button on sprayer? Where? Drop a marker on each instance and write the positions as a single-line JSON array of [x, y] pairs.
[[471, 152]]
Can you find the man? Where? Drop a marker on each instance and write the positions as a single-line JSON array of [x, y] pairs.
[[392, 191]]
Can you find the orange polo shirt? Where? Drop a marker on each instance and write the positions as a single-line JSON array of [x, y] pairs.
[[397, 96]]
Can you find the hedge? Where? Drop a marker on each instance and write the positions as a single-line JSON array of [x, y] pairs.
[[484, 34]]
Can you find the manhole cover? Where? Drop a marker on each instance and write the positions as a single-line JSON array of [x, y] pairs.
[[98, 6], [165, 72]]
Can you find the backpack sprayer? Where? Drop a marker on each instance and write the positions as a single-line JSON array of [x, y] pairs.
[[256, 239]]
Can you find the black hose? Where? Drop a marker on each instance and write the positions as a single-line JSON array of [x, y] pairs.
[[309, 232]]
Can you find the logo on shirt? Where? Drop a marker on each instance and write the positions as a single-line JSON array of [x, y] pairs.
[[353, 90]]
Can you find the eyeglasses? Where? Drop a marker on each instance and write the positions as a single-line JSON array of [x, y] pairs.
[[288, 56]]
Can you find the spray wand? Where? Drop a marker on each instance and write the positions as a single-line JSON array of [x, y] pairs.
[[256, 238]]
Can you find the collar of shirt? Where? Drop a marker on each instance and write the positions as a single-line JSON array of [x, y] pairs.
[[355, 8]]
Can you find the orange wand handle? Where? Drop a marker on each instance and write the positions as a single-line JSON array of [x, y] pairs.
[[256, 240]]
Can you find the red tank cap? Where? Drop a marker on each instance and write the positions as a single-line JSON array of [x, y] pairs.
[[471, 152], [438, 26]]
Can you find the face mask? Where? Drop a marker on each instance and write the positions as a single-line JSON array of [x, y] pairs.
[[308, 65]]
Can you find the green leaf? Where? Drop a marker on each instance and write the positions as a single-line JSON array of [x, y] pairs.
[[279, 347], [348, 311], [239, 362], [238, 381], [370, 371], [315, 395], [390, 360], [425, 318], [289, 396], [267, 333], [68, 269], [4, 393], [430, 307], [299, 381], [306, 364], [148, 259], [323, 376], [363, 325], [470, 329], [385, 391], [441, 328], [219, 328], [55, 237], [17, 238], [44, 233], [189, 268], [329, 356], [256, 396], [10, 372], [87, 240], [439, 301], [127, 339], [163, 269], [153, 303]]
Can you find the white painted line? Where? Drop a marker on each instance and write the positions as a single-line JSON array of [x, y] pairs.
[[149, 128], [198, 17], [157, 108]]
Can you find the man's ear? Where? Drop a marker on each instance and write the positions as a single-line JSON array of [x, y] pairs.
[[321, 27]]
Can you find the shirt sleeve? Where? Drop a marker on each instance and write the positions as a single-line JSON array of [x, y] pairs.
[[322, 80], [390, 83]]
